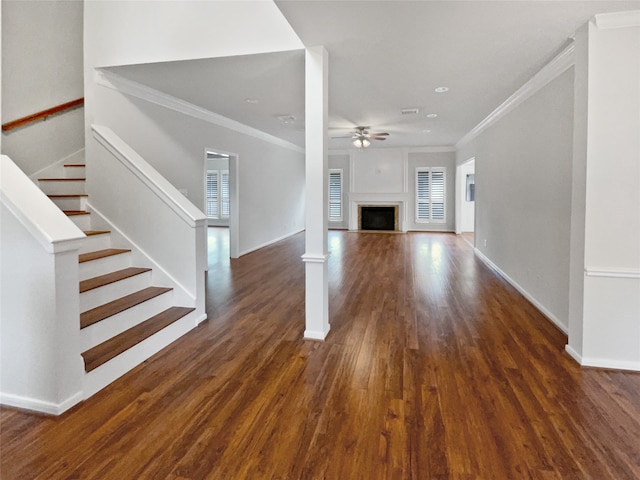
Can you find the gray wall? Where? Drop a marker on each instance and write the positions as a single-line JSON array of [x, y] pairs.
[[42, 67], [523, 193]]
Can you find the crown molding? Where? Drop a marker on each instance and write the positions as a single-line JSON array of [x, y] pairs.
[[116, 82], [627, 19], [560, 63]]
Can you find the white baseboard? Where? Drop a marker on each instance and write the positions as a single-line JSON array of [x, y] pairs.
[[572, 352], [270, 242], [40, 405], [602, 362], [556, 321], [315, 335]]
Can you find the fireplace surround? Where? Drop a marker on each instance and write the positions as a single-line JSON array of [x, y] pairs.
[[378, 217]]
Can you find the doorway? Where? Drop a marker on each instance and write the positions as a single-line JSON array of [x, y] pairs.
[[465, 200], [221, 194]]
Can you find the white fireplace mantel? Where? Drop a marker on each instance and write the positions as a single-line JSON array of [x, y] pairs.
[[390, 199]]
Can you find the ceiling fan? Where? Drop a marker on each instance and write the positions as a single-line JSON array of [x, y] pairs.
[[362, 137]]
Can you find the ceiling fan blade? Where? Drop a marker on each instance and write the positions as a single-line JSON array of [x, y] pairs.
[[378, 138], [344, 136], [379, 134]]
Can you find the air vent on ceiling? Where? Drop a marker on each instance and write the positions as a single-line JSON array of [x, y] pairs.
[[410, 111]]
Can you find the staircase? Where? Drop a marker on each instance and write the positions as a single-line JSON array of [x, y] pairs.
[[119, 307]]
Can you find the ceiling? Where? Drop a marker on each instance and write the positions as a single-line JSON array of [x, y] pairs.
[[385, 56]]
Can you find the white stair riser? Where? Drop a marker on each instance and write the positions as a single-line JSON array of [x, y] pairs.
[[62, 187], [108, 293], [104, 265], [112, 326], [105, 374], [74, 172], [83, 222], [95, 242], [71, 203]]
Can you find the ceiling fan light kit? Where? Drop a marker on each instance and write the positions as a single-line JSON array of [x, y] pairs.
[[362, 137]]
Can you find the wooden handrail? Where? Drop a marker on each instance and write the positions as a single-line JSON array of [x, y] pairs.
[[42, 115]]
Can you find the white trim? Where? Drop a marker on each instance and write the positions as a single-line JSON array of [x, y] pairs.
[[602, 362], [314, 335], [311, 258], [435, 149], [573, 353], [563, 61], [526, 294], [164, 190], [612, 272], [116, 82], [606, 21], [270, 242], [38, 405]]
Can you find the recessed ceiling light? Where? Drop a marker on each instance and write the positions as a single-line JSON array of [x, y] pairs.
[[426, 131], [442, 89], [252, 101], [432, 115]]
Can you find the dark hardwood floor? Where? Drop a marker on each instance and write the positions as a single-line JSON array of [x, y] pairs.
[[434, 368]]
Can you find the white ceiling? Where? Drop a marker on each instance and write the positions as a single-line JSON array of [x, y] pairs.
[[385, 56]]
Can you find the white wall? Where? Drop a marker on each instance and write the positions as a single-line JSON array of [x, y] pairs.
[[42, 51], [133, 32], [270, 178], [387, 175], [605, 319], [523, 194]]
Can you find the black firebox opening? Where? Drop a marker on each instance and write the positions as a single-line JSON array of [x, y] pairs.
[[377, 218]]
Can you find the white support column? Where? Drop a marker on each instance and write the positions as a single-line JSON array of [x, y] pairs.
[[316, 254]]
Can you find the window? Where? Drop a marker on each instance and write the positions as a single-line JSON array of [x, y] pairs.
[[430, 195], [335, 195], [218, 194]]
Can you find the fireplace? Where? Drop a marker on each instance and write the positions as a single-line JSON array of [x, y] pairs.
[[378, 217]]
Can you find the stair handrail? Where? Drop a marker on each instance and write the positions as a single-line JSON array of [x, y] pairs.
[[43, 114], [40, 216]]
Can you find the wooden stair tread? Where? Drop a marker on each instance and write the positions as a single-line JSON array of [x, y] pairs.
[[107, 252], [89, 233], [120, 305], [65, 179], [101, 280], [113, 347], [74, 213], [68, 195]]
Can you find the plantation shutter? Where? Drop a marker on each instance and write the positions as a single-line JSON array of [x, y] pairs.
[[437, 196], [430, 195], [423, 208], [212, 194], [335, 195], [225, 194]]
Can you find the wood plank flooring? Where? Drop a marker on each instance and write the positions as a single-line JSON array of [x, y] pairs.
[[434, 368]]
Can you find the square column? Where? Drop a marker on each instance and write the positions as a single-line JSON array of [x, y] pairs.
[[316, 254]]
